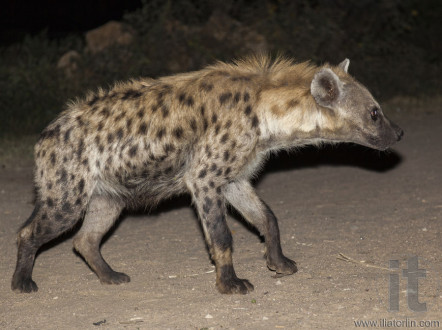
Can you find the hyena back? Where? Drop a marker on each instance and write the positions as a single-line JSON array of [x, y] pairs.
[[205, 133]]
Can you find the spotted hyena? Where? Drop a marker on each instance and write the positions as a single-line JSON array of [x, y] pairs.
[[204, 133]]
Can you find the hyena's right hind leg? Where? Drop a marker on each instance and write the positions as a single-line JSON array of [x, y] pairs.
[[46, 222], [101, 215]]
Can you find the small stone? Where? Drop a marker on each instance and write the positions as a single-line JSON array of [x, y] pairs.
[[278, 282], [208, 316]]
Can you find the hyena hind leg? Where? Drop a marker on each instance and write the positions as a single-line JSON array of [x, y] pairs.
[[44, 224], [100, 217], [243, 198]]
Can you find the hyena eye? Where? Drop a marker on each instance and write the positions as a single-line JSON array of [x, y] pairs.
[[374, 113]]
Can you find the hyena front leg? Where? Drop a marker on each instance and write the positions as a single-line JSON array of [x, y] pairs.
[[242, 197], [100, 217], [212, 212]]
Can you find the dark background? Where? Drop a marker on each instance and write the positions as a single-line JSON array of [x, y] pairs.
[[394, 45], [18, 18]]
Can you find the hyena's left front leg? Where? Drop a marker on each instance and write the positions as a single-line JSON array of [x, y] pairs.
[[212, 212], [242, 197]]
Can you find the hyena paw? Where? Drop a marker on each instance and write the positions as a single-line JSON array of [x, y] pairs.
[[282, 266], [114, 278], [26, 285], [234, 285]]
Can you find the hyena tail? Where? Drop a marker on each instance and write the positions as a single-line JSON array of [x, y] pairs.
[[44, 224]]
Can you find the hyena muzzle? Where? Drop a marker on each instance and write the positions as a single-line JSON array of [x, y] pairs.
[[204, 133]]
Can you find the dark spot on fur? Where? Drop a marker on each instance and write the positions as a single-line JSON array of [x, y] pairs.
[[255, 121], [212, 184], [38, 229], [219, 201], [49, 185], [63, 176], [292, 103], [164, 111], [105, 112], [213, 167], [202, 173], [110, 138], [161, 132], [140, 113], [236, 97], [168, 170], [246, 97], [81, 186], [131, 94], [224, 138], [202, 110], [133, 151], [219, 172], [129, 124], [50, 133], [218, 190], [205, 189], [228, 124], [189, 101], [241, 78], [142, 129], [227, 171], [58, 216], [169, 148], [181, 97], [80, 148], [214, 118], [205, 124], [50, 202], [120, 133], [67, 134], [217, 128], [100, 126], [208, 151], [207, 205], [193, 125], [226, 155], [119, 117], [223, 98], [53, 158], [178, 132], [100, 148], [78, 201], [206, 87], [93, 100], [248, 110], [66, 207]]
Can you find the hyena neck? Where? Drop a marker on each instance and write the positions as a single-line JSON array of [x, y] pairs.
[[290, 117]]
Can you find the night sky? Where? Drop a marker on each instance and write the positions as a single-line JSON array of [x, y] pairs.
[[18, 18]]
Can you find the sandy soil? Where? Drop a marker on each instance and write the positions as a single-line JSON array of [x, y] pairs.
[[369, 206]]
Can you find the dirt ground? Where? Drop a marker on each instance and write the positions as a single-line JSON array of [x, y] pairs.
[[371, 207]]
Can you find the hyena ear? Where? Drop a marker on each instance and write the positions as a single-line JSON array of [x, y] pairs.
[[326, 88], [344, 65]]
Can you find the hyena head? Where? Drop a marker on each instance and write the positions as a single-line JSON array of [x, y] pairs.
[[357, 116]]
